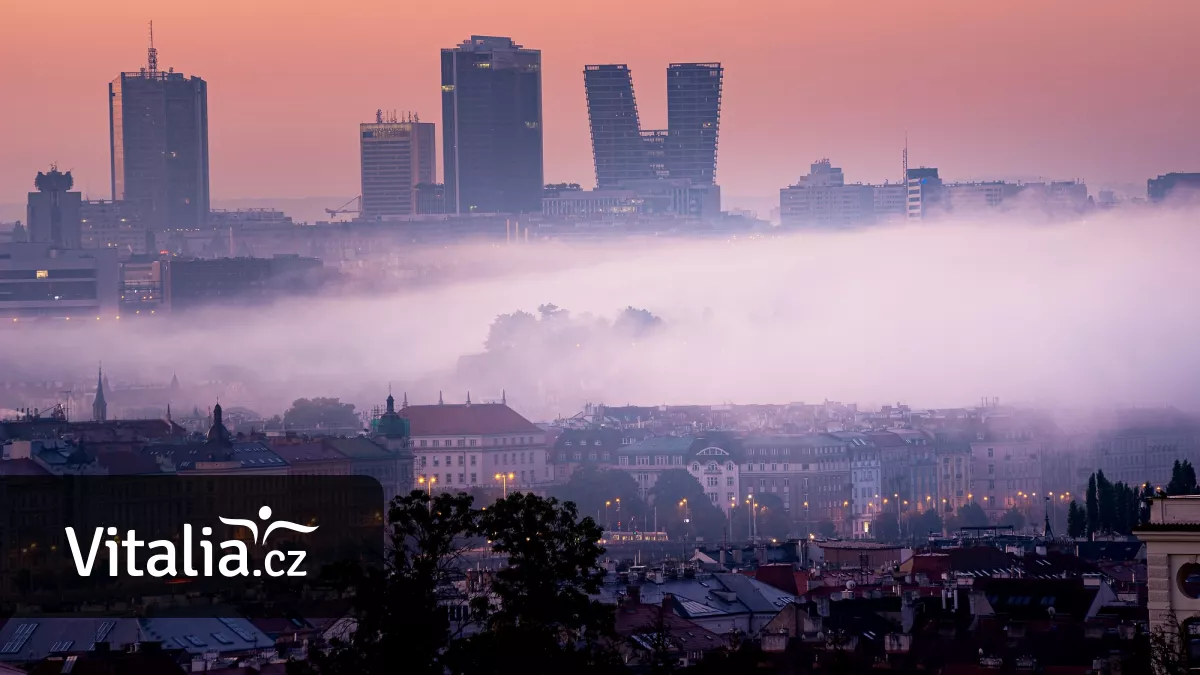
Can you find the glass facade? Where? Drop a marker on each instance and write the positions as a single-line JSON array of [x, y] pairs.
[[618, 149], [492, 127], [693, 120], [159, 141]]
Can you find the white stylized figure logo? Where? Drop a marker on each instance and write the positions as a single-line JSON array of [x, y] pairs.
[[264, 513]]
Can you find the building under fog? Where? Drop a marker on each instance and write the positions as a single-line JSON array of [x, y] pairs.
[[618, 149], [1172, 184], [824, 199], [492, 126], [158, 132], [39, 280], [396, 157]]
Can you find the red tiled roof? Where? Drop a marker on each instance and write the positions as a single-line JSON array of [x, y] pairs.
[[22, 467], [464, 419]]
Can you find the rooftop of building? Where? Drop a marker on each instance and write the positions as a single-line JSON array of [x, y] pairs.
[[466, 419]]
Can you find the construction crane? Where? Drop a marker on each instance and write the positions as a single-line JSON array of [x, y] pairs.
[[346, 208]]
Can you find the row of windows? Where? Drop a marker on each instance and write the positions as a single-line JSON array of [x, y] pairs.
[[465, 443], [497, 459], [525, 476]]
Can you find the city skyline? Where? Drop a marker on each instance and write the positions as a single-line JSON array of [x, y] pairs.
[[961, 89]]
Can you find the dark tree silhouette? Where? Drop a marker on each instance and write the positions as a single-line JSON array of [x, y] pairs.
[[1093, 507], [922, 523], [886, 527], [1183, 479], [398, 609], [1014, 518], [510, 331], [539, 610], [590, 487], [970, 515], [1076, 521], [324, 413], [826, 528], [705, 520]]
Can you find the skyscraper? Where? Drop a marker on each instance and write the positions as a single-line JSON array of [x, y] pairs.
[[397, 156], [693, 120], [158, 131], [53, 212], [618, 150], [492, 126]]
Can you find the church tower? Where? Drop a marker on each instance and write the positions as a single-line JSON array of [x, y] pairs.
[[100, 406]]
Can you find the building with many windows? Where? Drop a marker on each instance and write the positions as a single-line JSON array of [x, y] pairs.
[[158, 132], [693, 120], [618, 150], [492, 126], [396, 157], [40, 281], [465, 445]]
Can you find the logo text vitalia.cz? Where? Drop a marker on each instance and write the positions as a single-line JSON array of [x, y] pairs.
[[167, 561]]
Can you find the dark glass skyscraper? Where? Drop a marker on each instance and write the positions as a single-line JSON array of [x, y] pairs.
[[492, 126], [693, 120], [158, 130], [618, 150]]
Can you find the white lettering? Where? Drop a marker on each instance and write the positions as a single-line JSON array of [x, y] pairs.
[[271, 571], [241, 558], [168, 558], [84, 570]]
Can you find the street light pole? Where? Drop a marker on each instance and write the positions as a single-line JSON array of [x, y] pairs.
[[504, 478]]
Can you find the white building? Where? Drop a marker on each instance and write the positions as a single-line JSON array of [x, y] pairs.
[[1173, 574], [718, 473], [866, 474], [461, 446], [823, 199]]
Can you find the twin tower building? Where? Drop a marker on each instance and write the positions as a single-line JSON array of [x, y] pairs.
[[492, 147]]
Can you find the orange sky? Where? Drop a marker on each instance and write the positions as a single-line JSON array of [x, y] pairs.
[[1103, 90]]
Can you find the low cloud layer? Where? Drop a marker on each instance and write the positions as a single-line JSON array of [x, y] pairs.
[[1099, 312]]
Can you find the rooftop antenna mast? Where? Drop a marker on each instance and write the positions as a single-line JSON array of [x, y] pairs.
[[904, 157], [152, 53]]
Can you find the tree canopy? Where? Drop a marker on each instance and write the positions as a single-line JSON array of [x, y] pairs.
[[539, 606], [323, 413]]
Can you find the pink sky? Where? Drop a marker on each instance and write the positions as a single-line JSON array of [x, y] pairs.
[[1097, 89]]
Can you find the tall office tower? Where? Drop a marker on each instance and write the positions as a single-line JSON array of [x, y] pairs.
[[693, 119], [52, 212], [617, 147], [492, 126], [655, 142], [158, 132], [397, 156]]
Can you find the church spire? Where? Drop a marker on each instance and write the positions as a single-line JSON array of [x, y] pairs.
[[404, 403], [440, 398], [503, 397], [100, 406], [468, 398]]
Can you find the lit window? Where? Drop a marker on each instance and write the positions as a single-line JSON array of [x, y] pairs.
[[43, 274]]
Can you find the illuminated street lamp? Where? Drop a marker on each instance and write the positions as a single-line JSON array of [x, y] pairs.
[[504, 478]]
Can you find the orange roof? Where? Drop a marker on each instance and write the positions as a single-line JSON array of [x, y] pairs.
[[466, 419]]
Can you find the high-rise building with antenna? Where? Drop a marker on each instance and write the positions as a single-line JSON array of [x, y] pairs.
[[158, 132]]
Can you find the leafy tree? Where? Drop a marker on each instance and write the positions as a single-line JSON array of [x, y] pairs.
[[636, 322], [922, 523], [826, 528], [1076, 521], [774, 521], [590, 487], [321, 413], [1106, 502], [704, 518], [510, 331], [1183, 479], [1013, 517], [397, 609], [540, 605], [1093, 507], [1168, 647], [970, 515], [886, 527]]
